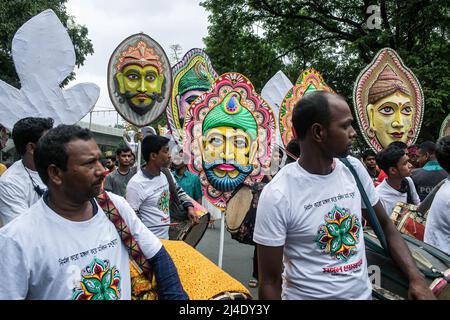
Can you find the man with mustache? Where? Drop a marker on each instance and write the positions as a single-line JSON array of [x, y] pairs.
[[65, 246], [309, 216], [229, 143]]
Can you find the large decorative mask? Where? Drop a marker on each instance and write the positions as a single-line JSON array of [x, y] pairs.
[[445, 127], [309, 80], [192, 77], [388, 101], [44, 56], [230, 131], [139, 79]]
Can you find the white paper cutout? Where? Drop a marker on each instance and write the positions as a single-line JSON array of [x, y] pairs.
[[44, 56]]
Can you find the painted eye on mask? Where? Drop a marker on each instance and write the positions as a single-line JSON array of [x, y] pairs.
[[150, 77], [133, 76], [240, 143], [191, 99], [215, 141], [406, 111], [387, 111]]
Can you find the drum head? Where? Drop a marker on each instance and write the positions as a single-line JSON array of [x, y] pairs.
[[196, 232], [237, 208], [392, 278]]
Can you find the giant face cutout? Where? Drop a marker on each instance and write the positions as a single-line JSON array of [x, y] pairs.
[[192, 77], [389, 102], [230, 131], [309, 80], [229, 144], [139, 79], [141, 86], [445, 127]]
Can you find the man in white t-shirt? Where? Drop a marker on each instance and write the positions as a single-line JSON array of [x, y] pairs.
[[398, 186], [437, 228], [20, 185], [148, 191], [64, 246], [309, 216]]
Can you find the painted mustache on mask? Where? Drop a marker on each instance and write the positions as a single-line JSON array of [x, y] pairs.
[[242, 169], [154, 96]]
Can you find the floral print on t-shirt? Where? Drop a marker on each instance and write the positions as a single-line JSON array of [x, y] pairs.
[[339, 236], [99, 281]]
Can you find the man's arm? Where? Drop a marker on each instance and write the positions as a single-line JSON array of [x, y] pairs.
[[12, 202], [169, 285], [400, 253], [166, 274], [270, 262], [14, 270]]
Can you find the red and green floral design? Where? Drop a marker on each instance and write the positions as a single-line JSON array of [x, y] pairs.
[[164, 202], [99, 282], [339, 235]]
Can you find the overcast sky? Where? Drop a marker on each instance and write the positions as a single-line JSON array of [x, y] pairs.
[[109, 22]]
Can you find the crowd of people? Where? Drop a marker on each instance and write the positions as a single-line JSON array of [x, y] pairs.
[[51, 217]]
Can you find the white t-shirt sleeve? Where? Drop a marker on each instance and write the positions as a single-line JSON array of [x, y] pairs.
[[148, 242], [12, 201], [366, 181], [271, 219], [14, 270], [415, 196], [133, 195]]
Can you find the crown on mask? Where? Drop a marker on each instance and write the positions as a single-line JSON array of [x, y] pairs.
[[140, 55]]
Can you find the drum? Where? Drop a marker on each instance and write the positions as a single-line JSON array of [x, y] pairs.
[[237, 208], [440, 286], [191, 233], [201, 278], [408, 220], [433, 263]]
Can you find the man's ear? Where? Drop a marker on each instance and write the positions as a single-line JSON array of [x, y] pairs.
[[54, 174], [317, 132], [392, 171], [30, 147]]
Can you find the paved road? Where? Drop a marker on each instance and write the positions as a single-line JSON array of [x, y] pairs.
[[237, 258]]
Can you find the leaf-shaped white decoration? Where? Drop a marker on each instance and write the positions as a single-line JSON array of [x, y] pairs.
[[44, 56], [274, 92]]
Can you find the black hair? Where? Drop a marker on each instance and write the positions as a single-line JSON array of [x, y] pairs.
[[312, 108], [367, 153], [123, 149], [153, 144], [293, 147], [28, 130], [389, 158], [51, 148], [398, 144], [427, 146], [443, 153]]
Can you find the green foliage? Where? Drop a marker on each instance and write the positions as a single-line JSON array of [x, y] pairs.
[[13, 14], [333, 37]]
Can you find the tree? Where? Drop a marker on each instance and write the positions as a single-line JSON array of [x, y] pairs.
[[338, 38], [13, 14], [175, 53]]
